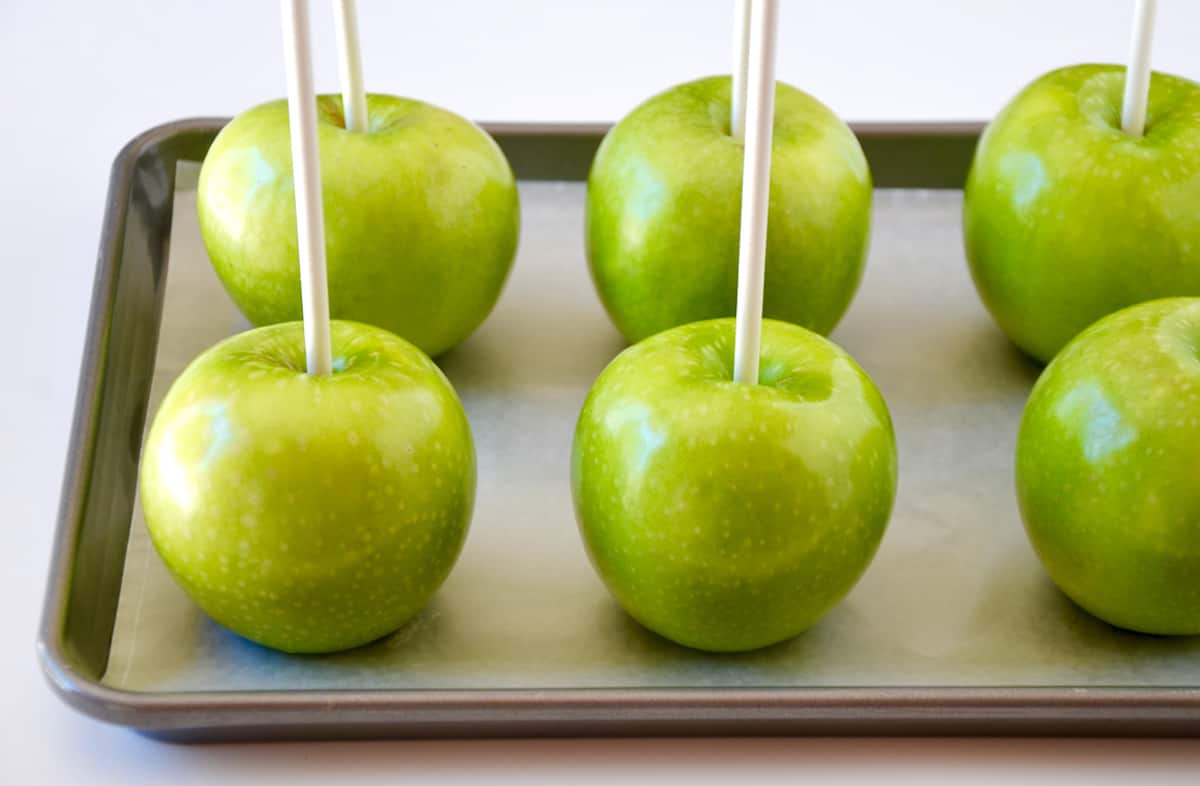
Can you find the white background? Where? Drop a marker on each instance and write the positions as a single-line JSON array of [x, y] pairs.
[[79, 79]]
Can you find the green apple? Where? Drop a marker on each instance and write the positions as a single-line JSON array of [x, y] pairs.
[[309, 513], [726, 516], [1068, 218], [1106, 468], [421, 218], [664, 205]]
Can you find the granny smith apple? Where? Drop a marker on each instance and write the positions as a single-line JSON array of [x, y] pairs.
[[727, 516], [664, 205], [1068, 218], [309, 513], [421, 218], [1107, 461]]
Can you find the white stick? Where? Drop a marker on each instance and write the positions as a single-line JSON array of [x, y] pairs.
[[756, 190], [354, 97], [306, 172], [1137, 75], [741, 62]]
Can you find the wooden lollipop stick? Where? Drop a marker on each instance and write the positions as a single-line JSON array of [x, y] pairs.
[[306, 172], [354, 97], [741, 63], [756, 189], [1137, 75]]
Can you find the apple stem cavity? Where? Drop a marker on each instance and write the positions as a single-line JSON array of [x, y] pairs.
[[756, 189], [1137, 75], [306, 171], [354, 96], [741, 64]]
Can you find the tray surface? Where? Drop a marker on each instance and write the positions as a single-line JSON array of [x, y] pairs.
[[955, 598]]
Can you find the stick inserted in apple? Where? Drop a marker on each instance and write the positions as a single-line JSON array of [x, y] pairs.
[[309, 485], [422, 211], [663, 207], [1084, 198], [733, 478]]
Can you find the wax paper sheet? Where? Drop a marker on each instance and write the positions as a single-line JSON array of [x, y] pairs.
[[955, 596]]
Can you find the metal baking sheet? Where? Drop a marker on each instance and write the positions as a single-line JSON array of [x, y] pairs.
[[954, 629]]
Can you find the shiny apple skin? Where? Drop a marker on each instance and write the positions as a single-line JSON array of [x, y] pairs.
[[1067, 218], [727, 516], [1107, 468], [422, 218], [309, 513], [664, 205]]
